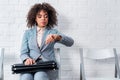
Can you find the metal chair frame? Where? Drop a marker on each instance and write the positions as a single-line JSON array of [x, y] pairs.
[[1, 63], [82, 70]]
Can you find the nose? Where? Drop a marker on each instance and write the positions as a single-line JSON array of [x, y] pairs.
[[43, 18]]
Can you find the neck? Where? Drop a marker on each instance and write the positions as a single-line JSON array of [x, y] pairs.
[[41, 26]]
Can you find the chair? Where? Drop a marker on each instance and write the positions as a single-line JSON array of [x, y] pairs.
[[98, 54], [57, 55], [57, 72], [1, 63]]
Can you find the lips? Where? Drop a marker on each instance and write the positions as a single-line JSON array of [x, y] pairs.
[[43, 22]]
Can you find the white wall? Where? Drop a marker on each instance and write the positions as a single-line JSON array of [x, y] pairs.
[[91, 23]]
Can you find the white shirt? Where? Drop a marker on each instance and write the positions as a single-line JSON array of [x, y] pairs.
[[40, 32]]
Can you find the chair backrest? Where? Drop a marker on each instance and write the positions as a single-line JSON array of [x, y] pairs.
[[57, 55], [1, 63], [95, 53]]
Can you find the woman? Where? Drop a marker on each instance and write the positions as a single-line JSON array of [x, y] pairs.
[[38, 41]]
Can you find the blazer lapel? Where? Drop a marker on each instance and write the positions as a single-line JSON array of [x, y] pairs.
[[35, 38]]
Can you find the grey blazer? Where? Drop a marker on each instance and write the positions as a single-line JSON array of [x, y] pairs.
[[30, 49]]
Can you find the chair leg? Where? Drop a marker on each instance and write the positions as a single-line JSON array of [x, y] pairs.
[[115, 71], [81, 72], [1, 64]]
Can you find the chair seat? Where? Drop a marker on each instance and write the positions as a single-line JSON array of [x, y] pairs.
[[102, 79]]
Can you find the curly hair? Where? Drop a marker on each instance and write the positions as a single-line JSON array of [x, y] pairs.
[[52, 14]]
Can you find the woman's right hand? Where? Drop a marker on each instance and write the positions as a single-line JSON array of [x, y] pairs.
[[29, 61]]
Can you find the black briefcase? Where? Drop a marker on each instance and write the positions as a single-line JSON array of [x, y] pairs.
[[41, 66]]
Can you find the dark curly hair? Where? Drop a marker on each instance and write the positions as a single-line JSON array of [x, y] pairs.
[[52, 14]]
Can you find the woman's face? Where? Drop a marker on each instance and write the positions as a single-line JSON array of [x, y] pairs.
[[42, 18]]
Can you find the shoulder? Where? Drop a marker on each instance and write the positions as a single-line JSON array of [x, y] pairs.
[[28, 32], [53, 30]]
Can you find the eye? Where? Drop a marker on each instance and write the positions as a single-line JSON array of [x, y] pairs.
[[39, 16], [46, 16]]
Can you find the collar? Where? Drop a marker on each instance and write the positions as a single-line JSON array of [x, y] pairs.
[[38, 29]]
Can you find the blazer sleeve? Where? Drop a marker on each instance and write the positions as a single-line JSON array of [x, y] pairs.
[[24, 47], [68, 41]]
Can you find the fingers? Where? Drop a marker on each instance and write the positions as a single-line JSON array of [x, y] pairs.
[[29, 61], [50, 38]]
